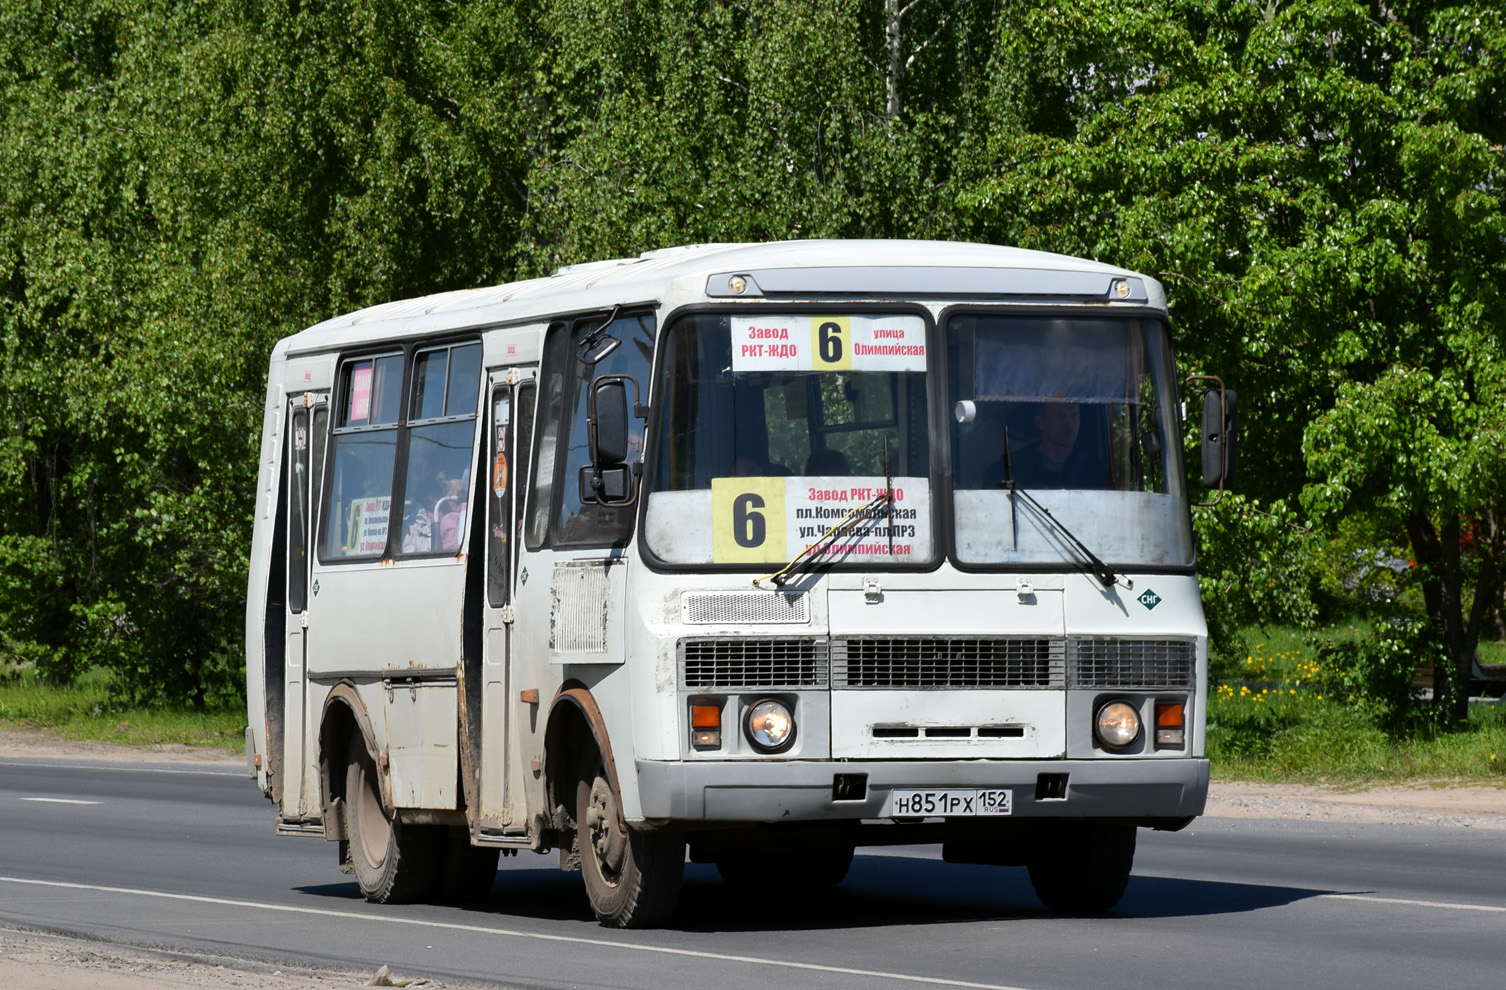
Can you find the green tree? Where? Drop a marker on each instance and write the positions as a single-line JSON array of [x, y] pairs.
[[179, 187], [1320, 184]]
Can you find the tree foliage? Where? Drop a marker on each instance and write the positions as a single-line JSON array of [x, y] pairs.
[[1318, 182]]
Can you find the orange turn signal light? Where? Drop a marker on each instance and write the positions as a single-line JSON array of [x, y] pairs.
[[706, 724], [1170, 719]]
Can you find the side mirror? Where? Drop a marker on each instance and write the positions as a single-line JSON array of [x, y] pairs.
[[1220, 427], [607, 416], [609, 479]]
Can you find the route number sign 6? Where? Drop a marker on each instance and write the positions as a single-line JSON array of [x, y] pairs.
[[747, 520]]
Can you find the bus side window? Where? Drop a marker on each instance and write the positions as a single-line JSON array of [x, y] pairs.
[[556, 352], [441, 431], [298, 511], [511, 429], [586, 523], [359, 500]]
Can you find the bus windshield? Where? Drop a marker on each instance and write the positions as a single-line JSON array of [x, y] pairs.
[[1079, 412], [776, 426]]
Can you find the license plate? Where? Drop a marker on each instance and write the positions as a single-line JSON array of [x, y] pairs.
[[906, 802]]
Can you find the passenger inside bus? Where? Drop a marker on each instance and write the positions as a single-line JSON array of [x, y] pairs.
[[450, 508], [1056, 458], [1052, 444]]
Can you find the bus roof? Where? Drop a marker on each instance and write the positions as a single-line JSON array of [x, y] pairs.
[[782, 270]]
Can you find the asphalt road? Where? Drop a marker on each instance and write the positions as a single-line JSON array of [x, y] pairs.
[[184, 858]]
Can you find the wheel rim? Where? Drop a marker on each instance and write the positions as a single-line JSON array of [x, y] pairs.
[[373, 829], [608, 844]]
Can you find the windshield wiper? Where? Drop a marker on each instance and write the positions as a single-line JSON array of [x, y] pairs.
[[844, 527], [1091, 563]]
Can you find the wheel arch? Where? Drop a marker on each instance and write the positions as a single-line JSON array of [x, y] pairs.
[[343, 715], [575, 720]]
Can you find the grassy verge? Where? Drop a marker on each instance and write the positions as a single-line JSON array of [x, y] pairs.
[[1289, 710], [85, 710]]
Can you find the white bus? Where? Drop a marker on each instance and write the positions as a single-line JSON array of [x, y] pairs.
[[760, 552]]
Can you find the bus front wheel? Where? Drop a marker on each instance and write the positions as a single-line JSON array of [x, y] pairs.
[[1083, 866], [632, 878], [393, 864]]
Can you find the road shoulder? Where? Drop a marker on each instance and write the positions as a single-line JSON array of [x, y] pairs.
[[1425, 803]]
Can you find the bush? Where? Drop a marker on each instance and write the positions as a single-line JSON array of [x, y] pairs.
[[1375, 672], [1257, 568]]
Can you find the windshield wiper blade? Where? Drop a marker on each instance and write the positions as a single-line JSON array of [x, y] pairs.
[[1092, 564], [1103, 572], [844, 527]]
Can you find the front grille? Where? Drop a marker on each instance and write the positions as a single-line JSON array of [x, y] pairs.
[[945, 662], [743, 662], [735, 607], [1131, 663]]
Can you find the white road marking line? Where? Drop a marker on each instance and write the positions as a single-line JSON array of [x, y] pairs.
[[59, 801], [125, 769], [1403, 900], [512, 933]]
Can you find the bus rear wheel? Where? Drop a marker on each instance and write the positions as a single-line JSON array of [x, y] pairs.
[[632, 878], [393, 864], [1083, 866]]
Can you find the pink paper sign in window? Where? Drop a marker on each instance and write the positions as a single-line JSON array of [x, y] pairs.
[[360, 393]]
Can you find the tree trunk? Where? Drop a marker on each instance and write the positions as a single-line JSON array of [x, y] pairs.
[[892, 34], [1442, 570]]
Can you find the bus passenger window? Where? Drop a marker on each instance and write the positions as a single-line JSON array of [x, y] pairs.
[[441, 430], [365, 450]]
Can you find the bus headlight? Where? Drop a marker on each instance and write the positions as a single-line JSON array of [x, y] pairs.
[[1117, 725], [770, 726]]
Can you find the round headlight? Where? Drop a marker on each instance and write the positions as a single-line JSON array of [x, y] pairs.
[[771, 727], [1118, 725]]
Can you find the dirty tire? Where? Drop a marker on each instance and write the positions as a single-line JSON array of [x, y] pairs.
[[632, 879], [469, 871], [393, 864], [797, 869], [1083, 866]]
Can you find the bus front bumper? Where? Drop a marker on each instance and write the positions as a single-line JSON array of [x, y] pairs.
[[796, 790]]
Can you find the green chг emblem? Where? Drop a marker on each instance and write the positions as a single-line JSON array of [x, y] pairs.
[[1150, 599]]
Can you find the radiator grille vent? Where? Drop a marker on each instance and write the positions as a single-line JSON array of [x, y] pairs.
[[708, 607], [1130, 663], [944, 662], [753, 663]]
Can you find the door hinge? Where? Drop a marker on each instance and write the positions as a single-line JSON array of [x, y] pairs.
[[507, 614]]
